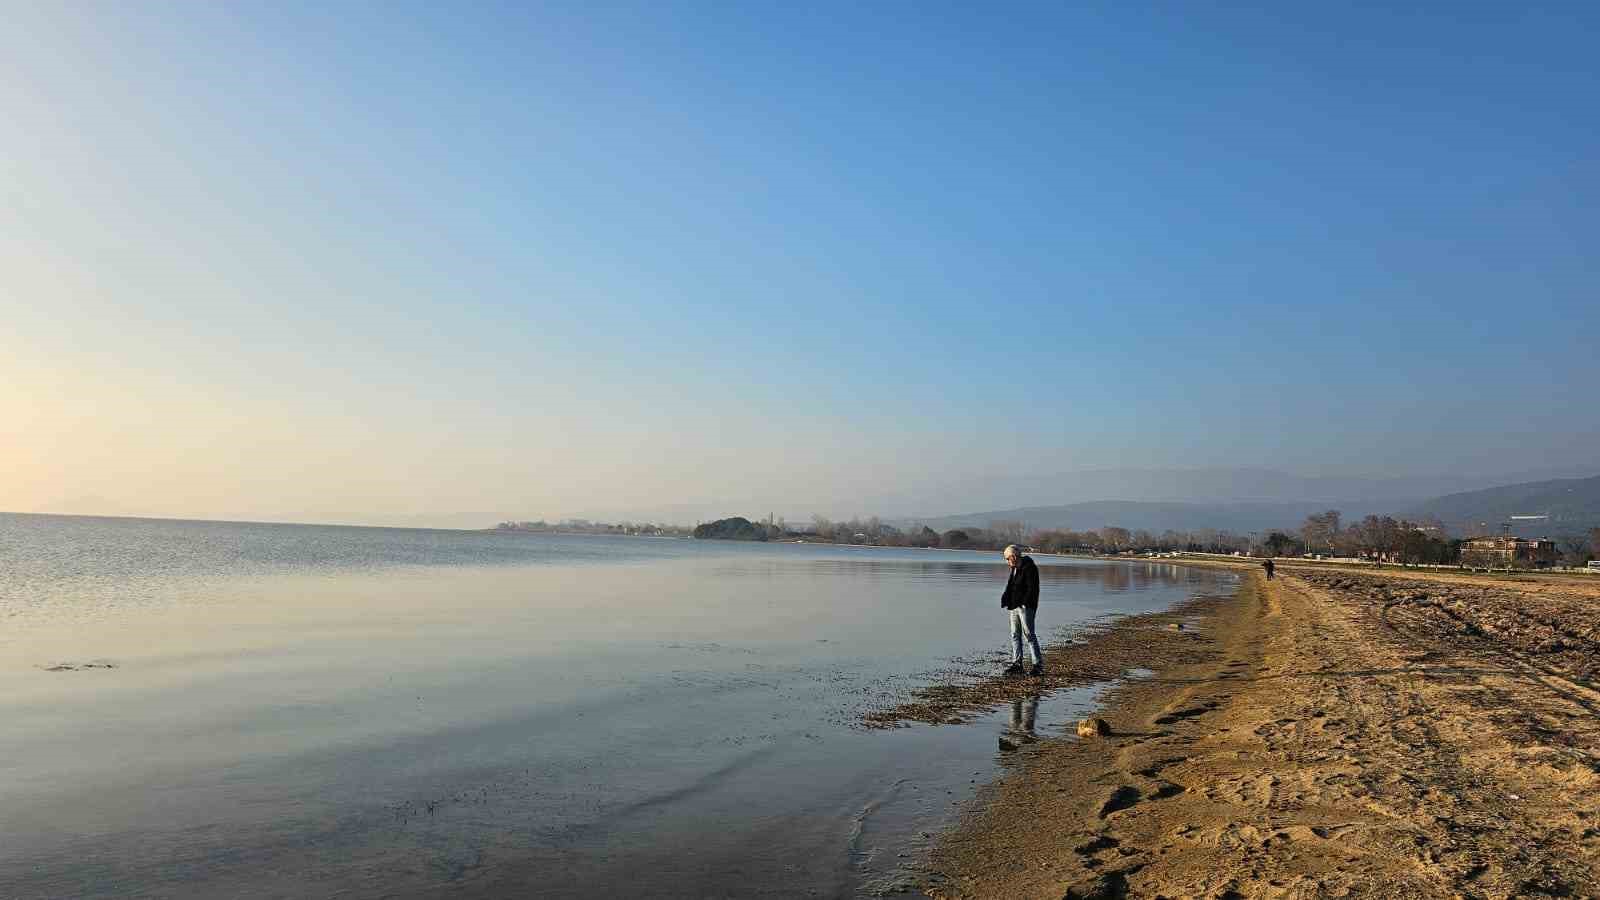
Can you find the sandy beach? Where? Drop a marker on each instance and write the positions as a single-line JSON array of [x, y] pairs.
[[1330, 733]]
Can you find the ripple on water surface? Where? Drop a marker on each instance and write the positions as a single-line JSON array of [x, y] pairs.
[[304, 710]]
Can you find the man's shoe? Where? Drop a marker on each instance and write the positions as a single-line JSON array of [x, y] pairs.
[[1013, 669], [1037, 670]]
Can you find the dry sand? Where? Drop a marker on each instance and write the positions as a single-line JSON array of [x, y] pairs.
[[1325, 734]]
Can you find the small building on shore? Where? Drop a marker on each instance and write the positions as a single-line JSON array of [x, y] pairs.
[[1508, 550]]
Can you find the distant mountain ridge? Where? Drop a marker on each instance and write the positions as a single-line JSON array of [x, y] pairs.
[[1155, 517], [1200, 485], [1572, 505]]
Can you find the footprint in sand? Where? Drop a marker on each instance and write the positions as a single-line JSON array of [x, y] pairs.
[[1123, 797], [1175, 717], [1099, 843], [1159, 766]]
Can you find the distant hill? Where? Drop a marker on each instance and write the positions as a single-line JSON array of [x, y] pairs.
[[1155, 517], [1206, 485], [737, 528], [1573, 505]]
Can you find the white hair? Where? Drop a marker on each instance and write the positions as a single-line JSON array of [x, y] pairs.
[[1012, 550]]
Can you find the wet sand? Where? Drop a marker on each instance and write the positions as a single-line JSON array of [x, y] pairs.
[[1094, 654], [1328, 733]]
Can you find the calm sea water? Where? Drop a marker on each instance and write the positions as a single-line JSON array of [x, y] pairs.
[[201, 709]]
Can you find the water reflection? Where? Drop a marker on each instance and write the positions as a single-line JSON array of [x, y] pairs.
[[317, 688], [1124, 576], [1113, 577], [1020, 731], [1023, 712]]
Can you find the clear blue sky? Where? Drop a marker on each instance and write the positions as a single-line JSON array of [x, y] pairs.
[[280, 259]]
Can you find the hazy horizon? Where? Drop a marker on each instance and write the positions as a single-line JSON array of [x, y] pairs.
[[378, 264], [1200, 487]]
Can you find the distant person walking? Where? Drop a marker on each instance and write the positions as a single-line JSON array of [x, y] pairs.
[[1267, 564], [1022, 600]]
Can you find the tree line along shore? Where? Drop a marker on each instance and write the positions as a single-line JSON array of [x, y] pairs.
[[1372, 538]]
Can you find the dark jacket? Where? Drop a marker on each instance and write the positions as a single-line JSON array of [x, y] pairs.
[[1022, 588]]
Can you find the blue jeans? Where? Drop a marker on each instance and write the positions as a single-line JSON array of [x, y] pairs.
[[1022, 627]]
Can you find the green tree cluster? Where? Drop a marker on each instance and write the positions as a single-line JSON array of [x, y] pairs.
[[737, 528]]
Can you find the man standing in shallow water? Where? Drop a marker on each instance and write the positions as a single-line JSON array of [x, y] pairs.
[[1022, 600]]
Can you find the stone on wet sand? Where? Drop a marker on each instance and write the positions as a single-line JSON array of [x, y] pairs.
[[1093, 728]]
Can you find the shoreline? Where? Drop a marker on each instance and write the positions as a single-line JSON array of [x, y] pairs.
[[1097, 654], [1334, 733]]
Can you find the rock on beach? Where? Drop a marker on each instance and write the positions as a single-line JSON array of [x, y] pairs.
[[1093, 728]]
